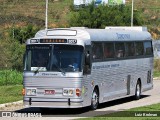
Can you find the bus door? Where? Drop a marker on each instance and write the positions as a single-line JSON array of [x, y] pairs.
[[86, 91]]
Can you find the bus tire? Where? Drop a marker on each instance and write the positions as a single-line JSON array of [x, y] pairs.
[[95, 99], [138, 91]]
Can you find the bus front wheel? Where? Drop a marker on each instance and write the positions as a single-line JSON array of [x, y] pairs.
[[138, 91], [95, 99]]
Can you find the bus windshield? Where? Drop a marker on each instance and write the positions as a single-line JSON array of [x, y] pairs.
[[60, 58]]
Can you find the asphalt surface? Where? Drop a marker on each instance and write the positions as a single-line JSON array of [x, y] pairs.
[[148, 98]]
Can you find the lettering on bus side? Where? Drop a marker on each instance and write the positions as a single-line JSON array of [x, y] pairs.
[[106, 66], [123, 36], [48, 74]]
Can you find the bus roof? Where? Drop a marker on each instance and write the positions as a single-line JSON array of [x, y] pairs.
[[87, 35], [137, 28]]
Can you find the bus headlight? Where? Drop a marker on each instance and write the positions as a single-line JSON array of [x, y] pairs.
[[31, 92], [68, 91]]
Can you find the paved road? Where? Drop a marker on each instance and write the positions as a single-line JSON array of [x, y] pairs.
[[149, 97]]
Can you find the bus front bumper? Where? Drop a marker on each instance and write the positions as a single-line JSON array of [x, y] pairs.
[[53, 103]]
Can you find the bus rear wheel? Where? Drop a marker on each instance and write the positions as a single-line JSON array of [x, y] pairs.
[[95, 99], [138, 91]]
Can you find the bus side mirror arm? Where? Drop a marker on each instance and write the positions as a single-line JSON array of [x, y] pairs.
[[24, 55], [87, 59]]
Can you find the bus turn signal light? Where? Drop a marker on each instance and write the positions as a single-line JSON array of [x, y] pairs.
[[23, 91], [78, 92]]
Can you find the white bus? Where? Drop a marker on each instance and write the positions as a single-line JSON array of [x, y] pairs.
[[77, 67]]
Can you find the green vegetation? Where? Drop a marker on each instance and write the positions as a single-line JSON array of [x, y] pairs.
[[21, 34], [13, 46], [23, 12], [130, 114], [157, 64], [15, 13], [19, 21], [151, 12], [102, 16], [122, 118], [156, 73], [10, 93], [154, 107], [10, 77]]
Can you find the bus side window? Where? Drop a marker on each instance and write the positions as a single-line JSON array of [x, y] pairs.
[[148, 48], [139, 48], [130, 49], [108, 50], [97, 51], [120, 50]]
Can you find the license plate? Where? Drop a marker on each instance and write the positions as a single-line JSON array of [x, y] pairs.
[[49, 92]]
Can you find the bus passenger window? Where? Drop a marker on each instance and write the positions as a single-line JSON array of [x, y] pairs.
[[97, 51], [120, 50], [120, 53], [139, 48], [147, 48], [108, 50], [130, 49]]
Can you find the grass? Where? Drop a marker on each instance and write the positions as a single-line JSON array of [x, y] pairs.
[[122, 118], [10, 77], [19, 11], [130, 114], [156, 73], [154, 107], [10, 93], [10, 86]]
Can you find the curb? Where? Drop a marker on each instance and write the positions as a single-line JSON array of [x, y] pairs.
[[10, 104], [156, 78]]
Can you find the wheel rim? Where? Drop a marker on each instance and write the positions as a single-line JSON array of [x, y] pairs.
[[138, 90], [94, 99]]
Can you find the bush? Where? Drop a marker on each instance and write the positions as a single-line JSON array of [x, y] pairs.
[[21, 34], [16, 58]]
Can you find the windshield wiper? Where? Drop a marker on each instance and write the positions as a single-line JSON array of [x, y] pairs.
[[37, 71]]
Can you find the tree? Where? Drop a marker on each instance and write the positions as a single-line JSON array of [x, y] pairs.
[[12, 47], [11, 54], [102, 15], [21, 34]]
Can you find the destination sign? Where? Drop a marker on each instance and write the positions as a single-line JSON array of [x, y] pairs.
[[53, 40], [71, 41]]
